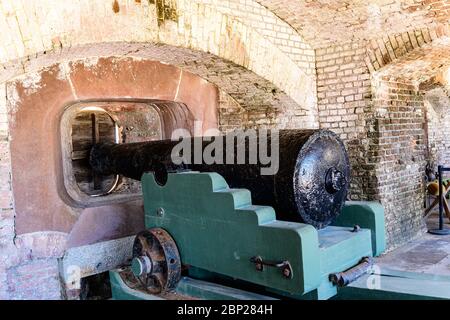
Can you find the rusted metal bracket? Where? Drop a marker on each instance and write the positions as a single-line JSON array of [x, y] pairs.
[[344, 278], [284, 266]]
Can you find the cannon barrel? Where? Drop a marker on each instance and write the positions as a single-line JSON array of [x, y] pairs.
[[309, 186]]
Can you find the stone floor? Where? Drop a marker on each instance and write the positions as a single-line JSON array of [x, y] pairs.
[[428, 254]]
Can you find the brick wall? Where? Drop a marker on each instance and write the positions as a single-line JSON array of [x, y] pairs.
[[5, 199], [6, 205], [234, 38], [404, 133], [344, 88], [36, 280], [271, 27], [437, 116], [29, 267], [231, 114], [398, 150], [373, 95], [382, 125], [437, 102]]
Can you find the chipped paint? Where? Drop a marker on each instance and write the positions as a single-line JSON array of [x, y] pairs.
[[63, 71], [89, 62], [13, 100], [32, 82], [64, 74], [43, 243]]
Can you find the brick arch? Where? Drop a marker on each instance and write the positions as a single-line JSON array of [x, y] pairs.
[[127, 70], [202, 25], [385, 50], [262, 103], [421, 67], [327, 23], [136, 70]]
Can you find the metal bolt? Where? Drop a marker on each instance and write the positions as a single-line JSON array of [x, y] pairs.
[[160, 212], [287, 271], [259, 266]]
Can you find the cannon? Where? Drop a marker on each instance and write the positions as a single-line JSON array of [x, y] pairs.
[[224, 224], [310, 184]]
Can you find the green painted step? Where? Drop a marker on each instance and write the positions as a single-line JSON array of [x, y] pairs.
[[217, 228]]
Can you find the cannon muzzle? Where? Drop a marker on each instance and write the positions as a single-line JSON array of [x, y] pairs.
[[303, 174]]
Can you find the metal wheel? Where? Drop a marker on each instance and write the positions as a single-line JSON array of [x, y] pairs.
[[156, 261]]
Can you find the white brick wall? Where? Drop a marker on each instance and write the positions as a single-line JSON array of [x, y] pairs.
[[266, 46], [3, 112], [327, 23], [271, 27]]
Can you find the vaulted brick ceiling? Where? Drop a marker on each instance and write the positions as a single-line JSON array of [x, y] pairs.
[[326, 22]]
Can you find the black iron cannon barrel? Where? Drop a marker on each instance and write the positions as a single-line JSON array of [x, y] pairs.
[[309, 186]]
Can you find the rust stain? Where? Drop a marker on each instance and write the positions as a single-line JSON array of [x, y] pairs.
[[237, 44], [116, 7], [137, 1], [165, 10], [56, 42]]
